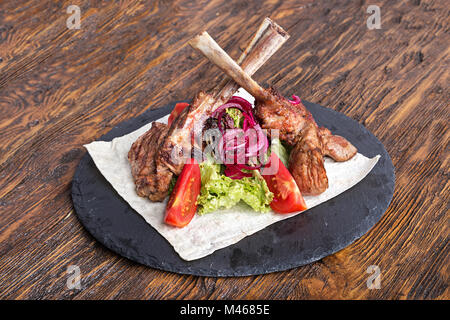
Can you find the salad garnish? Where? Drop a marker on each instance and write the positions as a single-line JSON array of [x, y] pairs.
[[243, 142]]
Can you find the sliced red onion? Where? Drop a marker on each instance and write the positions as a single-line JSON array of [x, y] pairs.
[[234, 173], [295, 99], [244, 103], [245, 124], [229, 143], [226, 106]]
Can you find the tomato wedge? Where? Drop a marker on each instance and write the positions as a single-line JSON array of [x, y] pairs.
[[176, 111], [287, 196], [182, 203]]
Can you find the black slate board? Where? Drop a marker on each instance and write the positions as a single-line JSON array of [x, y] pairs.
[[305, 238]]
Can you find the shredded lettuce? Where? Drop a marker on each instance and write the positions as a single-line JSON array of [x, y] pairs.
[[237, 117], [221, 192], [172, 183], [281, 151]]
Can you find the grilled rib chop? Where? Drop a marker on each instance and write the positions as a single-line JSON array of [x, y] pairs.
[[150, 175], [267, 40], [151, 156], [295, 123]]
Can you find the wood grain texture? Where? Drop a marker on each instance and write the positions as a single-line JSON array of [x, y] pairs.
[[61, 88]]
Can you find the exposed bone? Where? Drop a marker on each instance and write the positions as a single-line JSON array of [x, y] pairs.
[[310, 143], [211, 50], [267, 40]]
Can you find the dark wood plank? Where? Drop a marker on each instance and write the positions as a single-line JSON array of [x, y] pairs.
[[62, 88]]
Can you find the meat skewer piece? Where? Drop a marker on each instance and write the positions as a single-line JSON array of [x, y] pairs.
[[150, 155], [295, 123], [267, 40]]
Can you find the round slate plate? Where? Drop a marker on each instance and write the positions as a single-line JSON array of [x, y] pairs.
[[307, 237]]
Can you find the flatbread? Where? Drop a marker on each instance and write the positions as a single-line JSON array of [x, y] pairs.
[[210, 232]]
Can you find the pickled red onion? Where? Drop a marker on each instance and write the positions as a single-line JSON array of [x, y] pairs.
[[246, 148], [295, 99]]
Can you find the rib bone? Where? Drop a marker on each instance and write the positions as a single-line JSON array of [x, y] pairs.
[[295, 123], [211, 50], [267, 40]]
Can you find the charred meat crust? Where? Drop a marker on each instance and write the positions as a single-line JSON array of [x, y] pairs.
[[189, 123], [281, 115], [336, 147], [310, 143], [150, 175], [306, 162]]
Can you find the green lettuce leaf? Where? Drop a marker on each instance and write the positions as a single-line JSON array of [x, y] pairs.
[[281, 151], [237, 117], [221, 192], [172, 183]]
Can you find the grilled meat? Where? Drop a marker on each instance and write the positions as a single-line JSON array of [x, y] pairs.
[[157, 155], [291, 119], [310, 143], [150, 175], [281, 115], [306, 161], [189, 123], [297, 129], [336, 147], [295, 123], [266, 41]]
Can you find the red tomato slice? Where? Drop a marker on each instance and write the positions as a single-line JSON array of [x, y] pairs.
[[287, 196], [182, 203], [176, 111]]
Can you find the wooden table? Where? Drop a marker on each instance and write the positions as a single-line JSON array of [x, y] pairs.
[[61, 88]]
